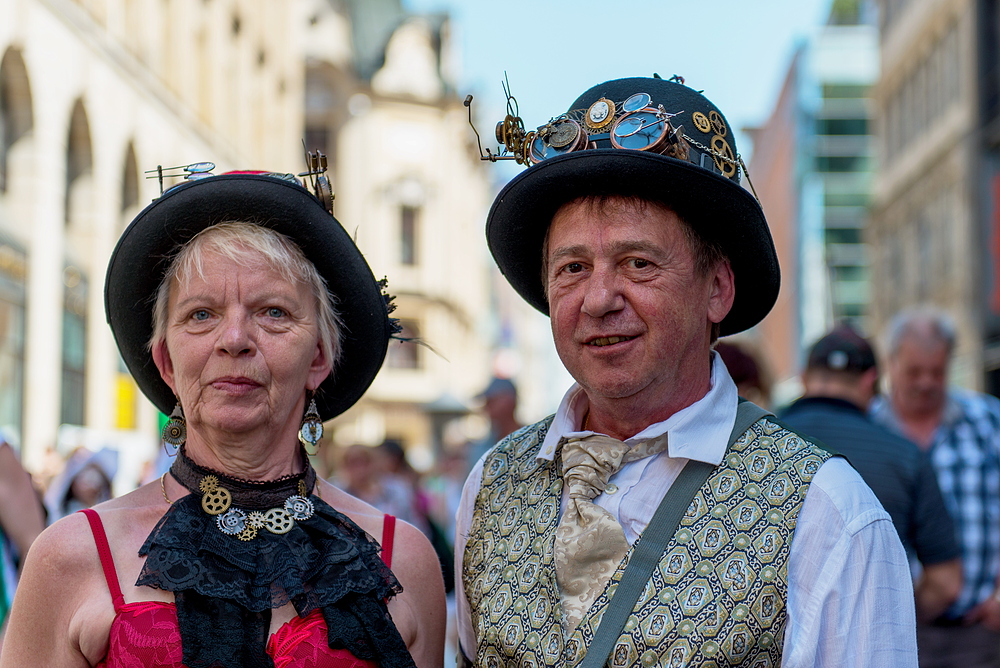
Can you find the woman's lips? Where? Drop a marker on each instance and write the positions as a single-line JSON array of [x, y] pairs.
[[235, 385]]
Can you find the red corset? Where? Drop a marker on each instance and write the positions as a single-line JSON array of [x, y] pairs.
[[145, 634]]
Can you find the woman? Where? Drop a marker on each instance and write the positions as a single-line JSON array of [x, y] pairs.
[[243, 309]]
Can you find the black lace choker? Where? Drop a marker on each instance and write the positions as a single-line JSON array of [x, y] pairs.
[[242, 508], [225, 588]]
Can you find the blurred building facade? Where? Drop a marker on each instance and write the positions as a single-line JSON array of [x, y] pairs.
[[935, 226], [412, 188], [95, 92], [812, 167]]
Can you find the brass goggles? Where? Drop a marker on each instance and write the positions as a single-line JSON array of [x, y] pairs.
[[634, 124]]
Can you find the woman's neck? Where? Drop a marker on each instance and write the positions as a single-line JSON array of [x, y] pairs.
[[249, 460]]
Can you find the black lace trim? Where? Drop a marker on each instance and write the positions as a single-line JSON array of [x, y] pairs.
[[225, 588]]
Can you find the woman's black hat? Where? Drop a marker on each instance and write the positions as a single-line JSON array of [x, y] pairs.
[[278, 202], [701, 184]]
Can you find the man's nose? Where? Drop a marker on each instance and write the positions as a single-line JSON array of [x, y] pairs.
[[603, 293]]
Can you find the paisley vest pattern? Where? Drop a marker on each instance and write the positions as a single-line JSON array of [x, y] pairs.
[[716, 599]]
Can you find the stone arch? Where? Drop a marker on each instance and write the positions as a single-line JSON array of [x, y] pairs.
[[80, 233], [79, 165], [16, 118], [130, 186]]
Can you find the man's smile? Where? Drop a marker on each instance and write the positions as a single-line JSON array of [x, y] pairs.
[[609, 340]]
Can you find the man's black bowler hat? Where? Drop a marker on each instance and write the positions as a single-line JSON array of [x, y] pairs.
[[151, 241], [705, 190]]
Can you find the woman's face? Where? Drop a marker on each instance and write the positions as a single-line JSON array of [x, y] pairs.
[[241, 347]]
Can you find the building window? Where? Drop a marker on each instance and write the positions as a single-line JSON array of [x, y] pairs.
[[408, 235], [842, 126], [405, 354], [12, 275], [74, 347]]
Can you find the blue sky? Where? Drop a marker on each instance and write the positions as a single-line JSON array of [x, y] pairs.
[[737, 51]]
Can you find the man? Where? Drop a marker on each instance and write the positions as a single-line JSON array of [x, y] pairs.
[[960, 430], [500, 407], [840, 382], [641, 258]]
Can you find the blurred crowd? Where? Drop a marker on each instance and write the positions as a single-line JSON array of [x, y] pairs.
[[914, 439]]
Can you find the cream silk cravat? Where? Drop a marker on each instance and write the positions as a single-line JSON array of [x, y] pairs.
[[590, 543]]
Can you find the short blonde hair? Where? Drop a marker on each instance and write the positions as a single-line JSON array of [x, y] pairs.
[[244, 243]]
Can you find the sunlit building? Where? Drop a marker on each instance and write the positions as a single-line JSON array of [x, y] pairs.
[[93, 93], [935, 225], [812, 168]]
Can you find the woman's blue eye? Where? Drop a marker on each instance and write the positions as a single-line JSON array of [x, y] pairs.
[[200, 314], [275, 312]]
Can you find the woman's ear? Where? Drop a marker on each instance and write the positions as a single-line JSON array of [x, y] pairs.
[[161, 358], [319, 370]]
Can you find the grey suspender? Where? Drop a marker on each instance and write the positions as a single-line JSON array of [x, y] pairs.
[[653, 542]]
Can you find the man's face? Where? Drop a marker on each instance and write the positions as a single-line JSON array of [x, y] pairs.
[[631, 313], [919, 373]]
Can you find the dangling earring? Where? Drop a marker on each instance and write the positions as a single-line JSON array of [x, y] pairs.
[[175, 430], [312, 428]]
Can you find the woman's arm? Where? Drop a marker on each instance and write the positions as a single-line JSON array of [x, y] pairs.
[[51, 615], [419, 612]]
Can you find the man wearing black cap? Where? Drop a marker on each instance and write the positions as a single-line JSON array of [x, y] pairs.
[[840, 381], [651, 520], [500, 408]]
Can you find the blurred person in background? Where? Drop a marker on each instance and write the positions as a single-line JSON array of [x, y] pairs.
[[244, 310], [85, 481], [444, 488], [960, 431], [751, 382], [840, 381], [21, 520], [364, 473], [500, 408]]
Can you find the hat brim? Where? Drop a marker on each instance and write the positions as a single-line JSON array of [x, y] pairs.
[[719, 210], [148, 245]]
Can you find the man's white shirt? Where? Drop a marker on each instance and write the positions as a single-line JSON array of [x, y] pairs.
[[850, 597]]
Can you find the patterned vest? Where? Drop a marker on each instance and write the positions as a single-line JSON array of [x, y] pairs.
[[717, 598]]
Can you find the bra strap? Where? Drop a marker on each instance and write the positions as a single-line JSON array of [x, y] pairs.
[[107, 561], [388, 534]]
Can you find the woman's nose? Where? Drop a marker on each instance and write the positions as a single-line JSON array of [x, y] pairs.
[[235, 337]]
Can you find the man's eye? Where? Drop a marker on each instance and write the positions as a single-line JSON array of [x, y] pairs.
[[574, 267], [276, 312], [640, 263]]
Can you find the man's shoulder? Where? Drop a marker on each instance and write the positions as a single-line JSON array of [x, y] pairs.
[[527, 438], [795, 429], [974, 404], [847, 429]]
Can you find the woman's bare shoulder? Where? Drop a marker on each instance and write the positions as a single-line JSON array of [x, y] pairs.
[[67, 545], [54, 605]]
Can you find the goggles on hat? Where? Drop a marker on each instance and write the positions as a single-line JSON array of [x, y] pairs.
[[633, 124], [315, 176]]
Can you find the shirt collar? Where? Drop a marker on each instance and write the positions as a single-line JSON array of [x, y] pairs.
[[700, 431]]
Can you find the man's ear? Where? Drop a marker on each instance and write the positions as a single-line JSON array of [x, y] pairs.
[[723, 292], [161, 358], [868, 384]]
